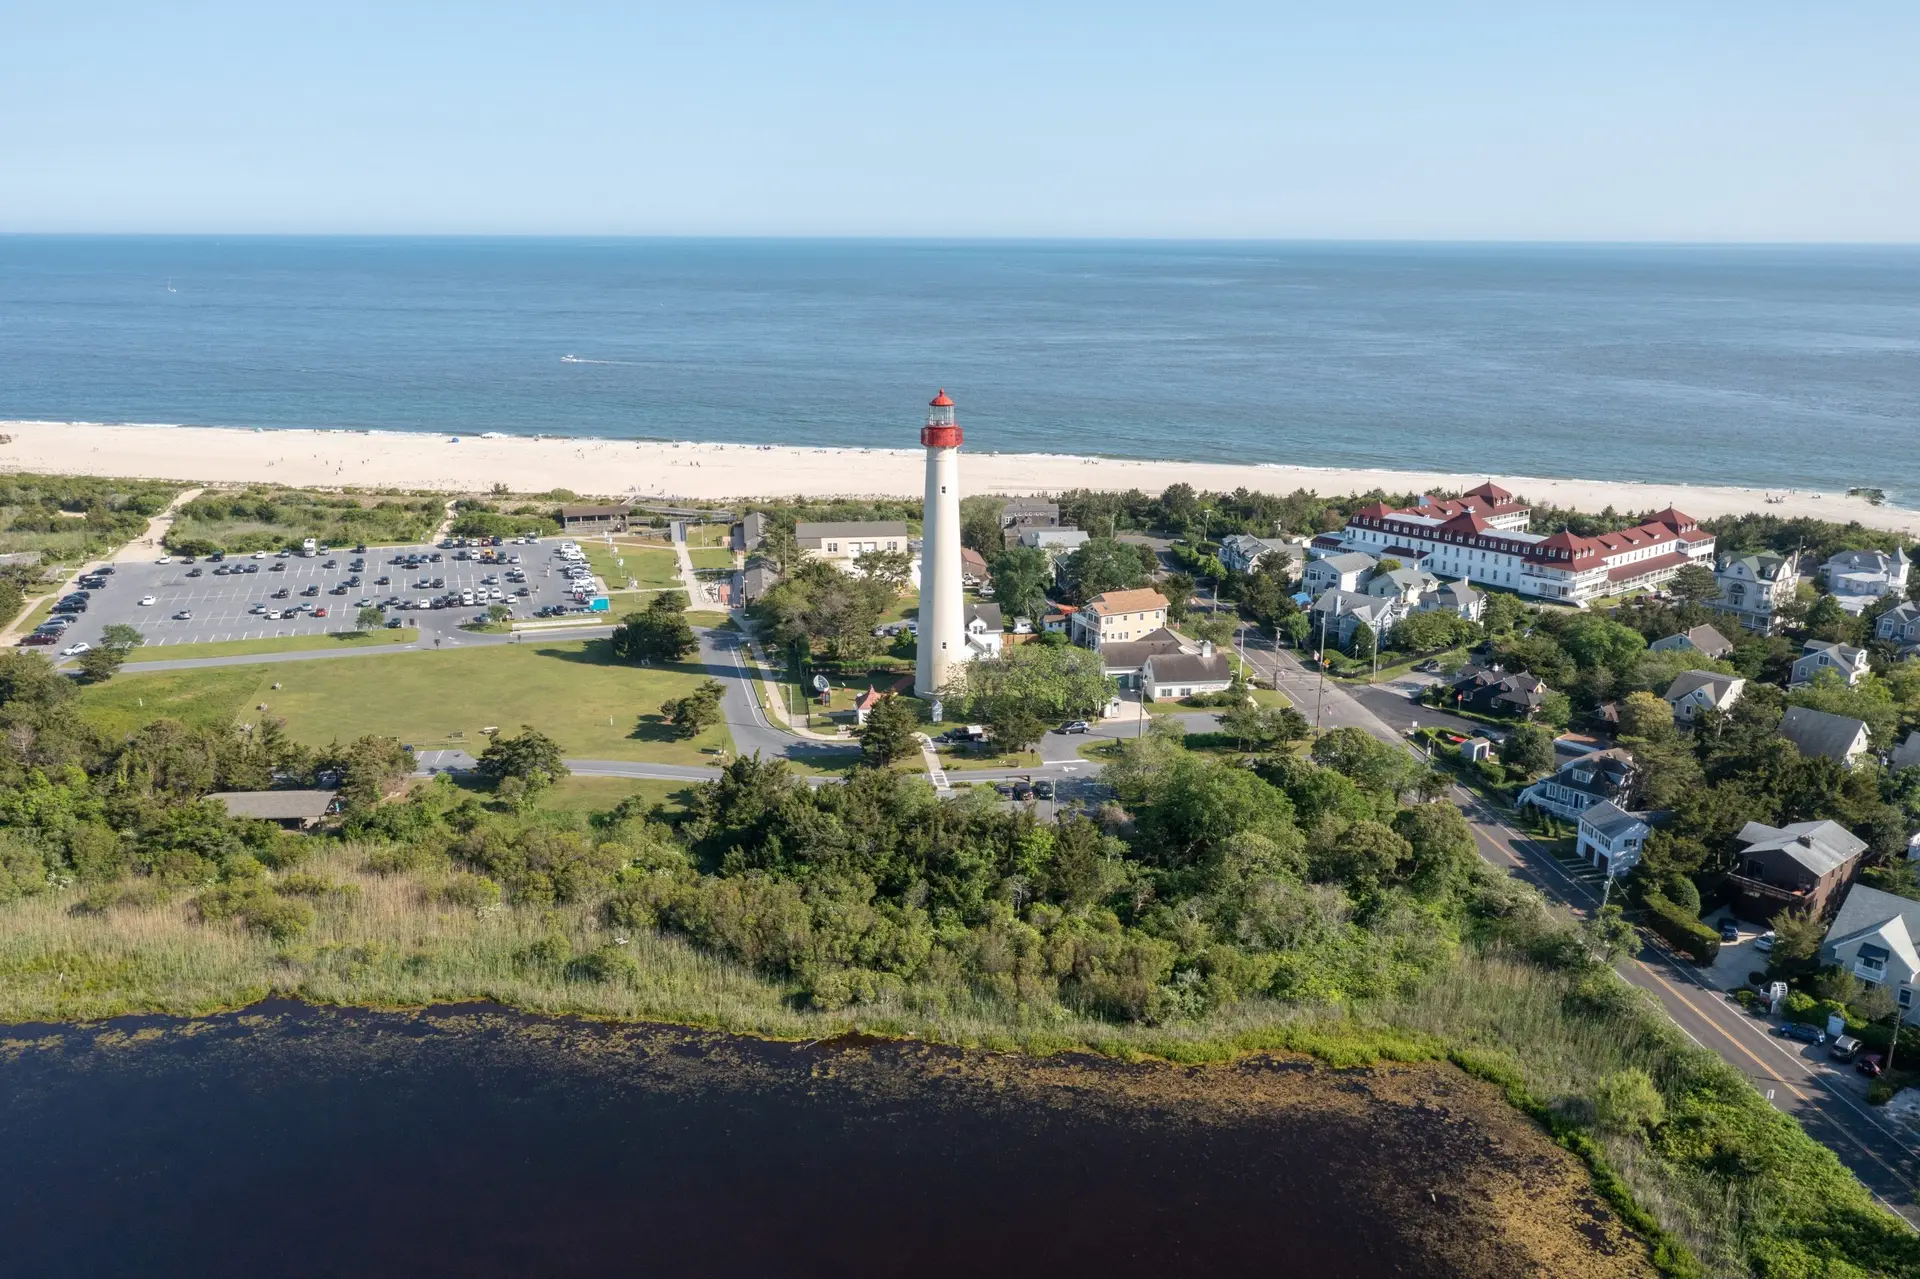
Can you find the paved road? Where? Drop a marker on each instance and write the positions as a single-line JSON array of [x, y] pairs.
[[1797, 1078]]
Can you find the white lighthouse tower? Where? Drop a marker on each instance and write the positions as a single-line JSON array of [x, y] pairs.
[[942, 629]]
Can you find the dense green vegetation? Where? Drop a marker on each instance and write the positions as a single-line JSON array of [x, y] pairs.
[[264, 517], [68, 518]]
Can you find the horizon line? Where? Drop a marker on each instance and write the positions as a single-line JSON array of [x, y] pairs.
[[894, 238]]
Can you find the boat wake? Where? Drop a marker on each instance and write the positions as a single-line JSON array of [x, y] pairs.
[[575, 359]]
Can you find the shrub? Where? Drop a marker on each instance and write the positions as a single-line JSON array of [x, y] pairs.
[[607, 964], [134, 894], [258, 907], [1684, 931], [469, 892], [397, 859], [304, 885]]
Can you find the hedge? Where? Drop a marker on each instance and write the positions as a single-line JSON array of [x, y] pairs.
[[1687, 934]]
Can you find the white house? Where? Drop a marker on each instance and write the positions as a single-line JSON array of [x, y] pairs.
[[1611, 837], [1899, 624], [1406, 585], [985, 630], [1175, 675], [1840, 738], [1242, 552], [1055, 542], [1753, 587], [1858, 578], [1704, 640], [1873, 937], [1120, 615], [1844, 660], [1695, 691], [1347, 571]]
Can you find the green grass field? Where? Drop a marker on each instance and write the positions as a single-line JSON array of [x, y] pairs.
[[597, 794], [276, 644], [568, 689], [649, 567], [710, 557]]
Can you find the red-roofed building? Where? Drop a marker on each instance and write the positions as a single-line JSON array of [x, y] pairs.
[[1476, 538]]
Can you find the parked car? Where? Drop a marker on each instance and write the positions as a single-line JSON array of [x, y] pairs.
[[74, 650], [164, 559], [1076, 726], [320, 612], [184, 615], [1843, 1048], [276, 567], [1729, 931], [1800, 1030], [1764, 942], [148, 601], [1043, 789], [1023, 789], [193, 572], [1870, 1064]]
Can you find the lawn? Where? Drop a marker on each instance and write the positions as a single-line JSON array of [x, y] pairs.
[[568, 689], [276, 644], [597, 794], [650, 568], [709, 535], [965, 758], [707, 557]]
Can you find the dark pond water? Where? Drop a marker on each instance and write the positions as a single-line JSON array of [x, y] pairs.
[[294, 1141]]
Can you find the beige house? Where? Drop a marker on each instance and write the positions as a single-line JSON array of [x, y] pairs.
[[1120, 615], [843, 543]]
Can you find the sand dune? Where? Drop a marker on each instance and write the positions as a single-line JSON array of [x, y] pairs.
[[616, 468]]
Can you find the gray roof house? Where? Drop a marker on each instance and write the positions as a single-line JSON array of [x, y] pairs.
[[1405, 584], [1906, 754], [1346, 571], [1805, 865], [1900, 624], [1176, 675], [1454, 597], [1580, 783], [1704, 640], [1876, 937], [1242, 552], [1126, 660], [294, 809], [1029, 512], [1694, 691], [1844, 660], [1611, 837], [1840, 738], [1753, 587], [1857, 578], [1337, 614]]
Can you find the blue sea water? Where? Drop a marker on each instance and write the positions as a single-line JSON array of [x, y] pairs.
[[1772, 366]]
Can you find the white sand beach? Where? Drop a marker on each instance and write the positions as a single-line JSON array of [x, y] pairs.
[[644, 471]]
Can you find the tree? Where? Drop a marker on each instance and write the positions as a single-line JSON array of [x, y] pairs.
[[1058, 682], [369, 767], [1694, 584], [779, 546], [498, 613], [890, 731], [1529, 747], [1375, 765], [1360, 644], [696, 712], [1298, 628], [369, 619], [1609, 937], [980, 528], [1267, 592], [1014, 725], [102, 662], [1646, 715], [1101, 564], [532, 759], [1826, 620], [1178, 588], [891, 569], [1020, 576], [1797, 937], [659, 634], [1430, 631], [1215, 628]]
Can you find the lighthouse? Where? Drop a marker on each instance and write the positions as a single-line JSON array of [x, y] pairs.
[[942, 629]]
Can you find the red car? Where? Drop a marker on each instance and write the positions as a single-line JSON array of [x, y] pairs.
[[1869, 1064], [320, 612]]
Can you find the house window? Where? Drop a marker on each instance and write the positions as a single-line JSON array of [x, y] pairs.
[[1906, 997], [833, 548]]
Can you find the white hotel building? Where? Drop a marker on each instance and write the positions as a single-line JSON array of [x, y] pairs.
[[1482, 538]]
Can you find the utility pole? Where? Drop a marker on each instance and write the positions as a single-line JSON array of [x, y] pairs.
[[1321, 657]]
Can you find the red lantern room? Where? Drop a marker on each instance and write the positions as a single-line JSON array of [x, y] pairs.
[[942, 430]]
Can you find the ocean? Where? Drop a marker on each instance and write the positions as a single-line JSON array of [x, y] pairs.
[[1780, 367]]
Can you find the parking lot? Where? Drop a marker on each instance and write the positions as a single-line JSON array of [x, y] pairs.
[[235, 605]]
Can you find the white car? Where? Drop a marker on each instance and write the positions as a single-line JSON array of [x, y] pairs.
[[148, 601], [273, 615], [164, 559], [74, 650], [184, 615], [259, 555], [1764, 942]]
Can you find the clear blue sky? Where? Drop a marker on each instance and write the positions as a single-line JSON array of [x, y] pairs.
[[1676, 120]]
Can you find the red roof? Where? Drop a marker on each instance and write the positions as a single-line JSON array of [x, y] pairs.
[[868, 700], [1375, 510], [940, 401], [1492, 492], [1468, 521], [1679, 521]]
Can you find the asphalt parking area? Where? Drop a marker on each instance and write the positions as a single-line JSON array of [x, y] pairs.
[[222, 605]]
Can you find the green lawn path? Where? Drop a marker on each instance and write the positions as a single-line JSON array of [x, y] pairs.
[[380, 638]]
